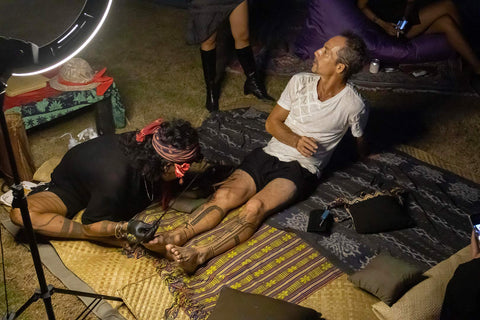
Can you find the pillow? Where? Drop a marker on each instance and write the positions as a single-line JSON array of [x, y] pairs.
[[236, 305], [379, 212], [387, 278], [43, 173], [424, 301]]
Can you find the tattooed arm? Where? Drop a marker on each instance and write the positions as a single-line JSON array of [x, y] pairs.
[[47, 213]]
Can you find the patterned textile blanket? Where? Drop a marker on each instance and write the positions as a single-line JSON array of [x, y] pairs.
[[438, 201], [48, 109]]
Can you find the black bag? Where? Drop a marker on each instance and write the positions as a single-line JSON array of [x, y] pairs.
[[380, 211]]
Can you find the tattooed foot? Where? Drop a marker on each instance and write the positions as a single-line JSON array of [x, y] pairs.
[[158, 243], [187, 258]]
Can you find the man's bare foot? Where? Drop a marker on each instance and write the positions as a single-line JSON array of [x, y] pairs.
[[157, 244], [187, 258]]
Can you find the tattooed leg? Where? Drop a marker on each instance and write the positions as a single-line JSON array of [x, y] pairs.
[[235, 191], [204, 218], [275, 194], [189, 258]]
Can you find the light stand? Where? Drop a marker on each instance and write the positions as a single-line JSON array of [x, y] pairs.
[[16, 54]]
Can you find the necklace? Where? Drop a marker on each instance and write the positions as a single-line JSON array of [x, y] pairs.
[[149, 195]]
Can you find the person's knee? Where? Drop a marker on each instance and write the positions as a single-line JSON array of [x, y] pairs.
[[253, 211], [242, 39], [209, 44], [446, 23], [16, 216], [225, 196]]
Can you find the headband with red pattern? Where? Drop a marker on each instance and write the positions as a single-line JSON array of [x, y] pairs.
[[181, 157]]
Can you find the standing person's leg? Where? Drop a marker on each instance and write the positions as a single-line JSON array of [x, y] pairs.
[[239, 25], [276, 193], [208, 53], [210, 43], [235, 191], [48, 216], [240, 32]]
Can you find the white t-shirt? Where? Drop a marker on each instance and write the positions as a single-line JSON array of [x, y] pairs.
[[325, 121]]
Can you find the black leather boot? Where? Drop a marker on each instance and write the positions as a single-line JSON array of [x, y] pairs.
[[253, 84], [209, 61]]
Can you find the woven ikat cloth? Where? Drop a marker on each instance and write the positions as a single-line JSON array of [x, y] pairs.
[[272, 262]]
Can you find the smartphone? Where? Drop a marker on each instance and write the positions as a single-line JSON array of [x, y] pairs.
[[401, 24], [475, 221]]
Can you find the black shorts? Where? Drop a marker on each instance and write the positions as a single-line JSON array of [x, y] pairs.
[[73, 204], [264, 168]]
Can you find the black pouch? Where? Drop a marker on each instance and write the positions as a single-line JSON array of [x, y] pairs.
[[380, 211], [320, 221]]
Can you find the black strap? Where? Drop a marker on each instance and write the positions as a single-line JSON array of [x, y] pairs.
[[3, 271]]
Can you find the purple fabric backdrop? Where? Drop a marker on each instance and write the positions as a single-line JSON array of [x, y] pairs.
[[327, 18]]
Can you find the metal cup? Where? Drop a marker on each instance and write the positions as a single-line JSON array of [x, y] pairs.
[[374, 66]]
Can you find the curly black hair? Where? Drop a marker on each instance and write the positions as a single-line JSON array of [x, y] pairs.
[[177, 133]]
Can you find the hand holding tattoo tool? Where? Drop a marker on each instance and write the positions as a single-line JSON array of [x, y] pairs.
[[145, 232]]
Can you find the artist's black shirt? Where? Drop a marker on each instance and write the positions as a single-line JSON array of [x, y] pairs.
[[98, 176]]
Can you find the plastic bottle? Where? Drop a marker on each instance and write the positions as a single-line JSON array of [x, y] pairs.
[[72, 142]]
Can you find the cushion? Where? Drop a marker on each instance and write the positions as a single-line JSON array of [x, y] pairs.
[[236, 305], [328, 18], [387, 278], [424, 301], [379, 212], [19, 85], [43, 173]]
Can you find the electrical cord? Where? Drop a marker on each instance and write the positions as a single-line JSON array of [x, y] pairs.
[[150, 234], [3, 271]]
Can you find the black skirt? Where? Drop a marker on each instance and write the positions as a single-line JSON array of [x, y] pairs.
[[206, 16], [393, 10]]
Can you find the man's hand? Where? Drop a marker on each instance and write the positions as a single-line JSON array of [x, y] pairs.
[[474, 246], [362, 147], [306, 146]]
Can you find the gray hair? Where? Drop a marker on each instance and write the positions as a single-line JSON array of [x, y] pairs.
[[353, 55]]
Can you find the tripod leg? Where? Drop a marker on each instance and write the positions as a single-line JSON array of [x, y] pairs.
[[20, 201], [47, 300], [15, 314]]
